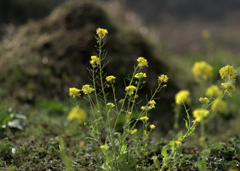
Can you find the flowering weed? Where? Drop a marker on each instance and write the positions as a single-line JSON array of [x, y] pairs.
[[105, 113]]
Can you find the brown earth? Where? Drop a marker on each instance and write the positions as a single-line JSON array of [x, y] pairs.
[[46, 57]]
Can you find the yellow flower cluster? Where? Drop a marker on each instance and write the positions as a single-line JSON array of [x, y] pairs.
[[214, 91], [101, 32], [183, 96], [140, 75], [142, 62], [87, 89], [219, 106], [130, 89], [134, 131], [77, 113], [204, 100], [73, 92], [228, 72], [144, 118], [121, 101], [229, 88], [152, 126], [110, 78], [202, 69], [151, 105], [95, 61], [199, 114], [163, 78], [110, 104]]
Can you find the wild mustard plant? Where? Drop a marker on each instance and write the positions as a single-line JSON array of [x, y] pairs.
[[115, 148], [183, 96], [106, 113], [170, 160]]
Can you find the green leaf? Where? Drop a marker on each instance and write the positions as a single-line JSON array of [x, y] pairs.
[[237, 152], [122, 157], [164, 151], [103, 167], [123, 149], [132, 161], [186, 124], [172, 143], [194, 159], [126, 167], [179, 136]]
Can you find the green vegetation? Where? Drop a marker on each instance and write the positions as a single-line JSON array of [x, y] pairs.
[[188, 121], [103, 133]]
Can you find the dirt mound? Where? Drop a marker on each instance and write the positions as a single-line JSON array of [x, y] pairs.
[[47, 57]]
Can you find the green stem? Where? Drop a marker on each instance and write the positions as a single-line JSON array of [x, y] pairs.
[[140, 115], [100, 70], [125, 98]]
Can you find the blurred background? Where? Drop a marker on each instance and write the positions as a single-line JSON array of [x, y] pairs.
[[45, 45]]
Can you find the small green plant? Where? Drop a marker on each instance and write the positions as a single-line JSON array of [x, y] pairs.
[[11, 121]]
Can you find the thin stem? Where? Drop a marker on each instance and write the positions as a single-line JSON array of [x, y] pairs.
[[100, 70]]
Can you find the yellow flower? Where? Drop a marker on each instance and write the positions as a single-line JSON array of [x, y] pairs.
[[110, 78], [144, 118], [142, 62], [204, 100], [143, 107], [121, 101], [182, 97], [163, 78], [213, 90], [110, 104], [129, 113], [87, 89], [73, 92], [219, 106], [77, 113], [130, 89], [134, 131], [178, 143], [102, 32], [95, 61], [140, 75], [105, 147], [152, 103], [228, 86], [199, 114], [228, 72], [205, 34], [152, 126], [202, 69]]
